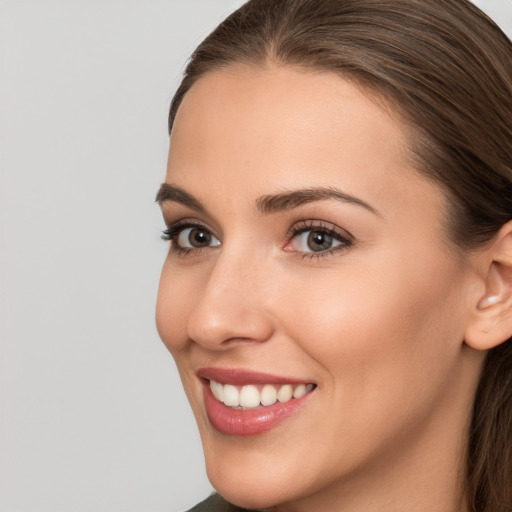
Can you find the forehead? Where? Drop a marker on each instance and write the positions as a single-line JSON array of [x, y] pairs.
[[278, 108], [265, 129]]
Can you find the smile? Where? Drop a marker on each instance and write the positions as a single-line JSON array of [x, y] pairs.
[[241, 403], [256, 395]]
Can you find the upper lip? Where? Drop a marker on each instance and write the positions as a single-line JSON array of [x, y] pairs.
[[240, 377]]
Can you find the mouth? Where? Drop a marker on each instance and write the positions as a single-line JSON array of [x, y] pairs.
[[252, 396], [244, 403]]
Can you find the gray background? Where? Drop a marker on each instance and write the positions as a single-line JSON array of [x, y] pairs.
[[93, 417]]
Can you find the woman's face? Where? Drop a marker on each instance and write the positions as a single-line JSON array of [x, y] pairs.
[[308, 256]]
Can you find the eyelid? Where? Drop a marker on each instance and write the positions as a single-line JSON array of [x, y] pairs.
[[174, 229], [320, 225], [346, 238], [174, 213], [188, 222]]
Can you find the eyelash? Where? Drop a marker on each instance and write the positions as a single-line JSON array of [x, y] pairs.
[[171, 233], [345, 239]]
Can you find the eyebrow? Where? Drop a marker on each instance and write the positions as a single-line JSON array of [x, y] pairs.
[[290, 200], [176, 194], [267, 204]]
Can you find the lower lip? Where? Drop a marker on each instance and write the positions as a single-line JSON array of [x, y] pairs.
[[250, 422]]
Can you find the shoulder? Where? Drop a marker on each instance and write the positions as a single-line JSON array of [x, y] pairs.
[[215, 503]]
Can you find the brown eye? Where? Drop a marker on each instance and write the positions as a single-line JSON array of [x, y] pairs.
[[196, 238]]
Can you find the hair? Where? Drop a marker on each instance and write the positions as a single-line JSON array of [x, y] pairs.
[[446, 68]]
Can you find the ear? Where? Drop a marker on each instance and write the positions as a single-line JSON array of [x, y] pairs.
[[491, 319]]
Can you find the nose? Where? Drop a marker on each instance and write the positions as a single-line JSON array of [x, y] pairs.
[[231, 307]]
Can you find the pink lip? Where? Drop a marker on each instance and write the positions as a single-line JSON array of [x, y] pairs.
[[243, 377], [237, 422]]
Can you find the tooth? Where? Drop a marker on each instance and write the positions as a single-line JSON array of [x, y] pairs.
[[231, 395], [217, 390], [249, 396], [309, 388], [299, 391], [285, 393], [268, 395]]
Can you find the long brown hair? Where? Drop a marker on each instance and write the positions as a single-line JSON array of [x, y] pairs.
[[447, 69]]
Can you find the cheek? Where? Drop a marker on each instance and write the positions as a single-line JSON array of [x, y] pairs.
[[173, 304], [381, 335], [175, 297]]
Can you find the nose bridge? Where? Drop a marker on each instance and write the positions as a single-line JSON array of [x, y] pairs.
[[231, 306]]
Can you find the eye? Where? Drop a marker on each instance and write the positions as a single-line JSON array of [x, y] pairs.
[[317, 239], [195, 237], [189, 237]]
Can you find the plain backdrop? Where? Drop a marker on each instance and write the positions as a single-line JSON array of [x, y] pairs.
[[93, 417]]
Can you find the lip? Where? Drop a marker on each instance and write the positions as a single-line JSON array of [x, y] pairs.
[[250, 422], [238, 377]]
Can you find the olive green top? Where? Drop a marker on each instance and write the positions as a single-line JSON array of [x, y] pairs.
[[216, 503]]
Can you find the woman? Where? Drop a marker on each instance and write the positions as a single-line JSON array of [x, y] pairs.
[[338, 290]]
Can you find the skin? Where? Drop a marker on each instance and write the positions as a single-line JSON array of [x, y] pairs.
[[378, 325]]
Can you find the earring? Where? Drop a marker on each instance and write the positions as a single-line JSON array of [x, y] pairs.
[[488, 301]]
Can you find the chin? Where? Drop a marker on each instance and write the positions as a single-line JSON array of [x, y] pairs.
[[260, 481], [251, 495], [252, 485]]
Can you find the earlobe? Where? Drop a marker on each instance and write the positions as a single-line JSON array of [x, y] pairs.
[[491, 320]]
